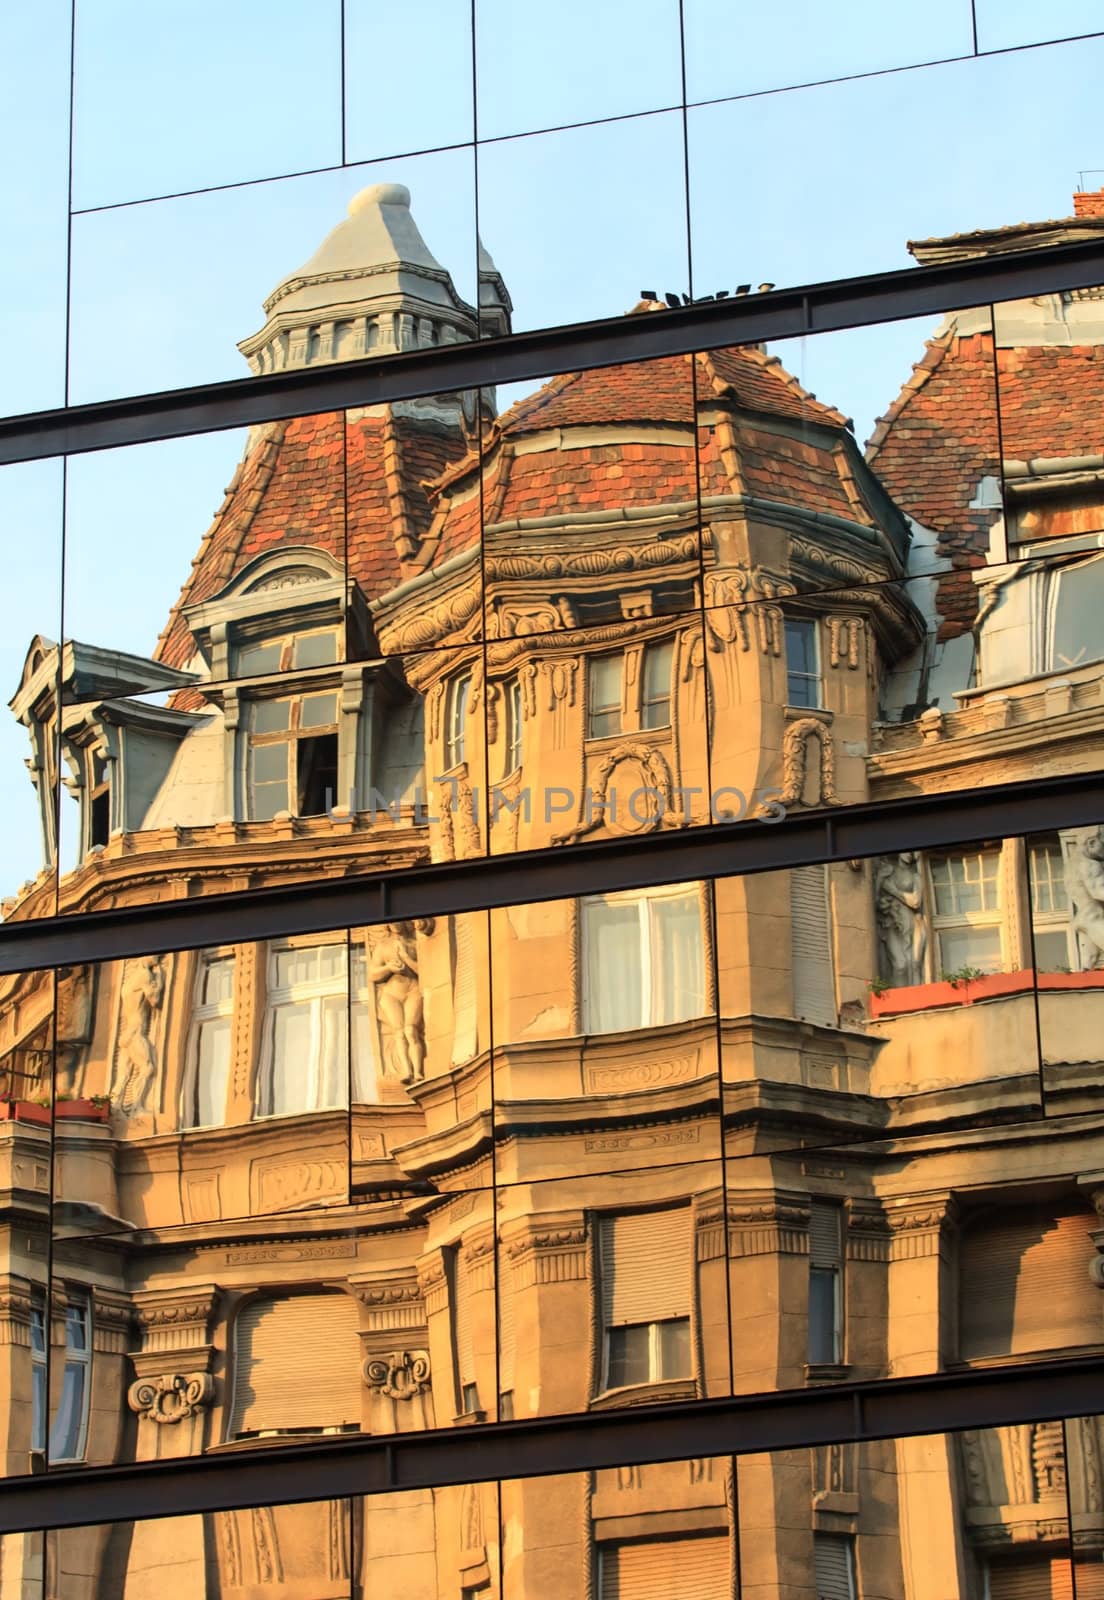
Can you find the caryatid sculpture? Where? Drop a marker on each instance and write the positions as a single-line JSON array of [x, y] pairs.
[[393, 968], [136, 1057], [899, 907]]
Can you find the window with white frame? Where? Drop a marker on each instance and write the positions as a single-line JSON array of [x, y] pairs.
[[803, 686], [655, 679], [210, 1042], [825, 1284], [69, 1429], [292, 760], [289, 652], [645, 1266], [1050, 907], [1074, 601], [457, 701], [966, 910], [512, 701], [643, 959], [304, 1065], [38, 1370], [365, 1051], [604, 675]]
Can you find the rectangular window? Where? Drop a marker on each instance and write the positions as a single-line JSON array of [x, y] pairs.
[[38, 1371], [457, 699], [292, 756], [825, 1286], [643, 959], [365, 1063], [655, 1569], [645, 1269], [802, 662], [655, 702], [69, 1430], [305, 1059], [967, 911], [261, 657], [512, 698], [834, 1566], [463, 1346], [1050, 907], [603, 696], [209, 1050], [99, 800]]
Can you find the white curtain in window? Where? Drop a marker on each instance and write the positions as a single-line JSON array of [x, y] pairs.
[[614, 975], [677, 959]]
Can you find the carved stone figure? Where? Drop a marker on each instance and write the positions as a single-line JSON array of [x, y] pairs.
[[393, 968], [899, 906], [74, 1023], [1088, 899], [135, 1056]]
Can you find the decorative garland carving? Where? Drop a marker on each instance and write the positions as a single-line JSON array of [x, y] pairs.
[[657, 774], [401, 1374], [649, 553], [795, 756], [172, 1397]]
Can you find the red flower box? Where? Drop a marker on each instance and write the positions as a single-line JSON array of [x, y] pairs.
[[24, 1111], [81, 1110]]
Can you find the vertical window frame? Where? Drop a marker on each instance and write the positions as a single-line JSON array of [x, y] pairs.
[[457, 706], [309, 993], [797, 677]]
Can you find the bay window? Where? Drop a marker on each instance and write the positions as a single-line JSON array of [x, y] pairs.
[[966, 907]]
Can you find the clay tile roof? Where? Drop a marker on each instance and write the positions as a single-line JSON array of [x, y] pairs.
[[939, 438], [356, 490], [759, 382], [1051, 400]]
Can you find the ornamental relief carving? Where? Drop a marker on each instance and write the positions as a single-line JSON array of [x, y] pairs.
[[844, 640], [401, 1374], [641, 804], [795, 759], [171, 1397]]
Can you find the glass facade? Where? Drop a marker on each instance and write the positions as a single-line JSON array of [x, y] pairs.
[[553, 909]]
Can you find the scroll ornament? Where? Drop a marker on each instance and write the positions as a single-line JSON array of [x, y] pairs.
[[171, 1397], [401, 1375]]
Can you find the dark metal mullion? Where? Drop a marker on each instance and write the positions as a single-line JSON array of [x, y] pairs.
[[335, 1468], [780, 314], [603, 866]]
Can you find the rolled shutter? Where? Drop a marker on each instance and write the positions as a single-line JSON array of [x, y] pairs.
[[824, 1234], [645, 1265], [669, 1569], [1032, 1580], [833, 1567], [814, 984], [297, 1364], [507, 1329], [1024, 1284], [1088, 1571]]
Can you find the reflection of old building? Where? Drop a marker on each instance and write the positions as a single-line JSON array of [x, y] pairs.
[[576, 1155]]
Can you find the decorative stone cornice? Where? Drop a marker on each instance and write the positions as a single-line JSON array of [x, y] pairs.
[[767, 1225], [391, 1305], [548, 1249], [920, 1227], [171, 1397], [175, 1319]]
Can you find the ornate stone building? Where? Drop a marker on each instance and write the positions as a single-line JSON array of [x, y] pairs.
[[702, 1139]]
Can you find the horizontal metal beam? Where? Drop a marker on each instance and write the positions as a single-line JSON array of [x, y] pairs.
[[921, 822], [338, 1468], [545, 352]]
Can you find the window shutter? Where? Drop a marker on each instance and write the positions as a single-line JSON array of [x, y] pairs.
[[1088, 1570], [1024, 1284], [657, 1570], [814, 987], [462, 1321], [824, 1234], [1033, 1580], [832, 1563], [645, 1264], [507, 1329], [297, 1364]]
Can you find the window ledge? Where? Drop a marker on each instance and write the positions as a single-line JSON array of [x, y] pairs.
[[826, 1371], [645, 1394], [468, 1419]]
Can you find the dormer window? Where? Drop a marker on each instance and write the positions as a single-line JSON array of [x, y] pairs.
[[291, 653], [292, 762]]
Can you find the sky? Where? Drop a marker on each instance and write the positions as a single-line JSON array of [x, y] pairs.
[[772, 176]]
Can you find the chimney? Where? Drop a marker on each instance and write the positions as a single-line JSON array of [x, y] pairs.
[[1089, 204]]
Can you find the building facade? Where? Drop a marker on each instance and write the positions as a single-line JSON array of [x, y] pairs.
[[751, 1134]]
